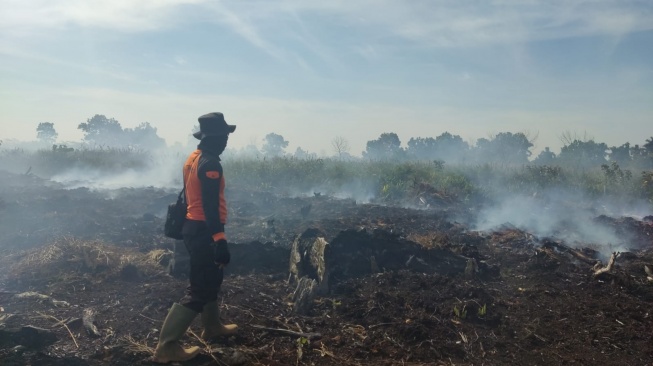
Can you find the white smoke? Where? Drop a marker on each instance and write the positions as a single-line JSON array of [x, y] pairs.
[[558, 215]]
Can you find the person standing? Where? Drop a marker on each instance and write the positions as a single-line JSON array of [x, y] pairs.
[[204, 237]]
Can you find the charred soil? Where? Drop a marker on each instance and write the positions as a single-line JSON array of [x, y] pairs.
[[84, 281]]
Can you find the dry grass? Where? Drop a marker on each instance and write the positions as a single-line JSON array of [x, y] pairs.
[[157, 255], [135, 347], [68, 258], [61, 323], [429, 240]]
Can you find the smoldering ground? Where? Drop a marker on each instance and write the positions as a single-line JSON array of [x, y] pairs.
[[561, 215]]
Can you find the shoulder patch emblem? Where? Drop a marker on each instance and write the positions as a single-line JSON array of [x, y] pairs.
[[213, 174]]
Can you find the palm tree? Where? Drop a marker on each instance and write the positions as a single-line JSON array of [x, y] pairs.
[[649, 145]]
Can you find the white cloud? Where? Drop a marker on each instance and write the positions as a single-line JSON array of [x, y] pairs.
[[436, 23], [463, 23], [246, 29], [112, 14]]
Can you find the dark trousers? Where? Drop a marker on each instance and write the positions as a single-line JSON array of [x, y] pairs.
[[205, 276]]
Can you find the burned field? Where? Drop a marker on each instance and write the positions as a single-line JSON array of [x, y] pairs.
[[317, 281]]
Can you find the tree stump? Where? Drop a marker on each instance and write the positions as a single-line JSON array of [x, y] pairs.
[[309, 268]]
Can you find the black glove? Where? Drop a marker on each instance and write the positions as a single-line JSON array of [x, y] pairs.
[[221, 253]]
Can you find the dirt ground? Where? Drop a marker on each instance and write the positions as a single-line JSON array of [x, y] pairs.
[[412, 286]]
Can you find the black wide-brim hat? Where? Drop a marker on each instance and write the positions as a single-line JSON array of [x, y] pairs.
[[213, 124]]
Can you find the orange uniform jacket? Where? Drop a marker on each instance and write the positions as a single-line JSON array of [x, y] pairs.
[[205, 192]]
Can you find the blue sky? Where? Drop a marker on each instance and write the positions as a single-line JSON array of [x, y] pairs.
[[314, 70]]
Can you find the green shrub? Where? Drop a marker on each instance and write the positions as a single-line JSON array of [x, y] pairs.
[[387, 182]]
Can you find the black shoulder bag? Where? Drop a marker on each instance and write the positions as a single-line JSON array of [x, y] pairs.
[[176, 217]]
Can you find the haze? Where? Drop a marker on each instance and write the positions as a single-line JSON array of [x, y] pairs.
[[311, 71]]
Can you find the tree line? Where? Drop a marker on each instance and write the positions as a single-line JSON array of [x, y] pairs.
[[510, 149], [102, 131], [503, 148]]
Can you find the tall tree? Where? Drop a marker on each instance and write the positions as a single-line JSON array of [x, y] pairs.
[[505, 147], [584, 154], [144, 136], [422, 148], [637, 151], [46, 133], [621, 154], [649, 145], [274, 145], [102, 130], [643, 156], [451, 148], [387, 146]]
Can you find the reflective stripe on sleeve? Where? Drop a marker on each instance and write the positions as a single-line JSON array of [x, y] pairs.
[[213, 174]]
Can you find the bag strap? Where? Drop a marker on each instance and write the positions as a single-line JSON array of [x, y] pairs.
[[181, 194]]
